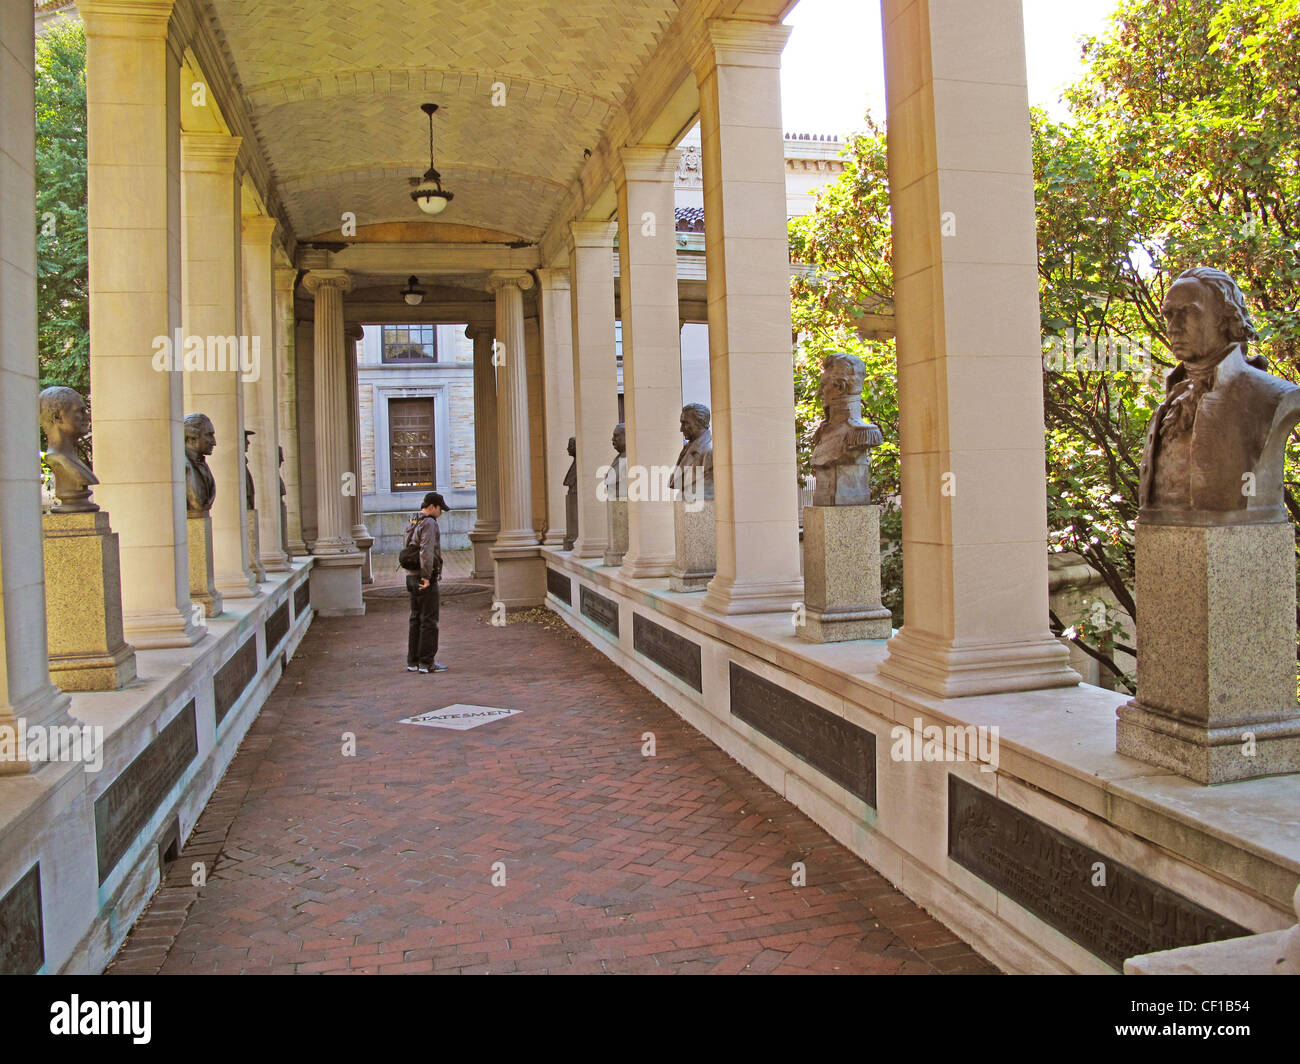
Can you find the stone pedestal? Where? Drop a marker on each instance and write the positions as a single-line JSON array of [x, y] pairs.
[[615, 530], [336, 585], [570, 519], [841, 575], [203, 588], [481, 541], [255, 548], [1216, 665], [519, 574], [83, 604], [693, 536]]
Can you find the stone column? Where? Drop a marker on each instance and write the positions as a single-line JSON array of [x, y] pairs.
[[360, 534], [134, 231], [213, 315], [261, 395], [969, 353], [738, 67], [595, 371], [336, 576], [26, 693], [286, 361], [519, 570], [652, 351], [304, 347], [486, 466], [557, 384]]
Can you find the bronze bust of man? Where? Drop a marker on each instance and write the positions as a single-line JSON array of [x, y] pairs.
[[65, 421], [842, 441], [616, 477], [200, 484], [694, 468], [1214, 448]]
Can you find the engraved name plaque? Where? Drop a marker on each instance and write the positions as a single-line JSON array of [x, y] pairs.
[[22, 928], [301, 599], [277, 625], [668, 650], [560, 586], [233, 677], [842, 751], [602, 610], [133, 798], [1053, 876]]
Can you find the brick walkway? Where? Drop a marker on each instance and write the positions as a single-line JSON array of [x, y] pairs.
[[613, 862]]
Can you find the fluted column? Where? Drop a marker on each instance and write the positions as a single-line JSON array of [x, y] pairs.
[[486, 463], [595, 371], [134, 231], [520, 572], [213, 314], [286, 360], [360, 534], [304, 349], [261, 396], [25, 689], [557, 384], [652, 349], [747, 257]]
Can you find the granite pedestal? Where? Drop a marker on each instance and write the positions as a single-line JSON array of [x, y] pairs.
[[616, 529], [841, 562], [696, 562], [203, 588], [255, 548]]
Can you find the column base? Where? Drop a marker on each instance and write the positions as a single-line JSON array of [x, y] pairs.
[[519, 575], [1220, 754], [589, 547], [335, 582], [237, 586], [364, 540], [481, 540], [554, 538], [47, 707], [276, 562], [936, 667], [727, 597], [165, 629], [649, 566]]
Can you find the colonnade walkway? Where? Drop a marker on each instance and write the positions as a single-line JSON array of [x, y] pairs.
[[543, 842]]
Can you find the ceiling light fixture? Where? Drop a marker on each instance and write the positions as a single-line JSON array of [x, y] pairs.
[[428, 194], [413, 293]]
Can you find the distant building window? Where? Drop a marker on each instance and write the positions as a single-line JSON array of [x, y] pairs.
[[410, 444], [407, 344]]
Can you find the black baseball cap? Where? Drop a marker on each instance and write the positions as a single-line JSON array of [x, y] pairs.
[[434, 499]]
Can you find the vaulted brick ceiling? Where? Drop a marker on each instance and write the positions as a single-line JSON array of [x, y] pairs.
[[334, 90]]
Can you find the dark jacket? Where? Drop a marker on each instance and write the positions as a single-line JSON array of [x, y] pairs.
[[424, 532]]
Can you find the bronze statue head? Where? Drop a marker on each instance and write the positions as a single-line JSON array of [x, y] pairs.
[[200, 435], [63, 417], [1206, 314], [695, 419]]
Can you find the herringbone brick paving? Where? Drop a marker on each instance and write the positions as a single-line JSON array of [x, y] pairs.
[[613, 862]]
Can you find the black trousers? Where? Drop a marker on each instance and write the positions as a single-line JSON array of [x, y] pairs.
[[422, 637]]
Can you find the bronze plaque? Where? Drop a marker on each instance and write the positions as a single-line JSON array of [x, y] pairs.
[[602, 610], [668, 650], [130, 800], [233, 677], [301, 598], [22, 928], [829, 743], [277, 626], [1110, 910], [560, 586]]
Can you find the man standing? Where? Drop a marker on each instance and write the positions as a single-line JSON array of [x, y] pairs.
[[422, 584]]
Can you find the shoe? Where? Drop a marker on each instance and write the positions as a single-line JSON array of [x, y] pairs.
[[412, 668], [438, 667], [424, 668]]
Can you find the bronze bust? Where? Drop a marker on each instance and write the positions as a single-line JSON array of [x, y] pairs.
[[1214, 448], [694, 468], [200, 485], [65, 421], [616, 477], [842, 441]]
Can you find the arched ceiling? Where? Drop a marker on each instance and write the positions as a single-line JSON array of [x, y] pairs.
[[333, 91]]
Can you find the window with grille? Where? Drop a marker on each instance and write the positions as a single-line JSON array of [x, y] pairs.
[[411, 444], [410, 344]]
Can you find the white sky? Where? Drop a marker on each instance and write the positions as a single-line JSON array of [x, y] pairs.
[[832, 68]]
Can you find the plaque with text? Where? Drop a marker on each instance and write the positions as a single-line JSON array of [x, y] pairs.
[[560, 586], [233, 677], [301, 599], [668, 650], [1110, 910], [132, 799], [602, 610], [22, 928], [829, 743], [277, 626]]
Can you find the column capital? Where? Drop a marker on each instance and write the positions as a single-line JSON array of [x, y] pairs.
[[476, 329], [737, 42], [590, 234], [499, 279], [257, 229], [551, 278], [647, 162], [126, 18], [209, 152], [283, 278], [353, 331], [318, 279]]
